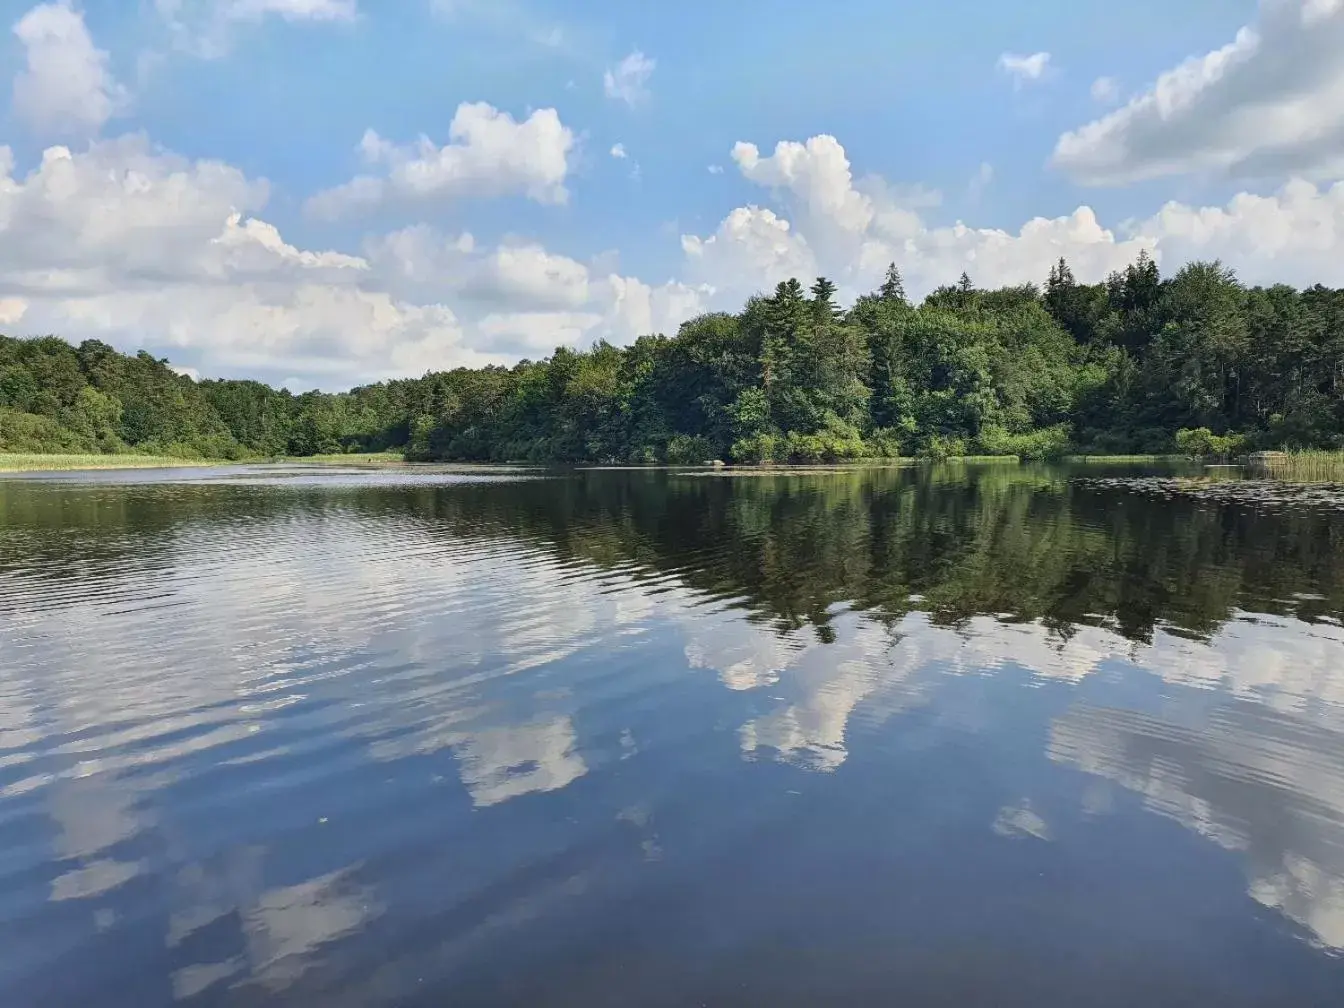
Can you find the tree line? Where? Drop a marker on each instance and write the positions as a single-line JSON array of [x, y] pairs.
[[1196, 362]]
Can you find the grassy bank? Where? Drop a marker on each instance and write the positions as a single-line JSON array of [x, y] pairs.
[[1319, 467], [352, 458], [34, 462], [1304, 467], [18, 462], [1121, 458]]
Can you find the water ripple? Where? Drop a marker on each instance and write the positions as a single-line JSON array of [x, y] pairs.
[[363, 738]]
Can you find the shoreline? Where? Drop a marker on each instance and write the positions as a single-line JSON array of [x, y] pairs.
[[37, 463], [34, 463], [31, 463], [26, 462]]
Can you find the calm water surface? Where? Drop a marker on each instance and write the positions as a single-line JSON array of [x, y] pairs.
[[942, 736]]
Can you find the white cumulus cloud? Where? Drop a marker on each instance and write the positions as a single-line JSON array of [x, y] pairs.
[[752, 250], [65, 86], [523, 287], [419, 263], [1024, 69], [628, 81], [634, 308], [1268, 104], [817, 172], [535, 334], [827, 223], [489, 153], [1295, 235], [129, 243]]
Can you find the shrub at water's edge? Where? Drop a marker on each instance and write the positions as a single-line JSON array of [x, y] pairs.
[[1194, 364], [1203, 443]]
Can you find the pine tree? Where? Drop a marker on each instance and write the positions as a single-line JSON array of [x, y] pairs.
[[1060, 293], [1137, 296], [783, 313], [1061, 277], [823, 299], [893, 287]]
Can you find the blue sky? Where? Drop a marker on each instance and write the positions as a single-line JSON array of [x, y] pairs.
[[522, 230]]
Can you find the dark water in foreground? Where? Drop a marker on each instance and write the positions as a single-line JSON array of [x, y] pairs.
[[901, 737]]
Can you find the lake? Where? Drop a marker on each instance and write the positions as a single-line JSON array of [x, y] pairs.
[[937, 735]]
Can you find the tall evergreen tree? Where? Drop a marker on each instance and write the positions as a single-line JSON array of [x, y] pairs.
[[823, 299], [785, 315], [1136, 297], [893, 286]]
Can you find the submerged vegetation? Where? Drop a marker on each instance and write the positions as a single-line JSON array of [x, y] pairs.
[[1254, 493], [1195, 364]]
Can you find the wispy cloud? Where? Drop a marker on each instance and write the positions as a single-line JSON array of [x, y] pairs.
[[1025, 69], [628, 81], [517, 20], [207, 29], [980, 181], [1106, 90]]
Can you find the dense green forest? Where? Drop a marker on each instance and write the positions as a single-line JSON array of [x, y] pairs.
[[1196, 363]]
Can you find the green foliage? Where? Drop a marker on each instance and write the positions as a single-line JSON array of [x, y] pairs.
[[1116, 367], [24, 433], [764, 447], [883, 442], [940, 447], [55, 398], [689, 449], [1045, 443], [836, 441], [1203, 443]]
